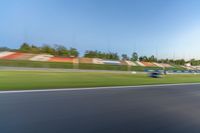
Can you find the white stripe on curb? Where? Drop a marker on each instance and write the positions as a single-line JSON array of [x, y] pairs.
[[95, 88]]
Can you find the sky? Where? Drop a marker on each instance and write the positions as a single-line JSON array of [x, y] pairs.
[[164, 28]]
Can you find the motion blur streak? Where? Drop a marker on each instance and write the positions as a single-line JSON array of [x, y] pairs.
[[162, 109]]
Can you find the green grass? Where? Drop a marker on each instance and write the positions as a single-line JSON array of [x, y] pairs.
[[35, 64], [39, 64], [25, 80]]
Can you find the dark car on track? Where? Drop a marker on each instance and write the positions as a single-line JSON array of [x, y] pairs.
[[155, 75]]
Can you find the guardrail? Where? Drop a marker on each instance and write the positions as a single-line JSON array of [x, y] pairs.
[[175, 71]]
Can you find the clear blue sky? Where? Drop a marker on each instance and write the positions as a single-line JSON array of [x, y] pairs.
[[166, 28]]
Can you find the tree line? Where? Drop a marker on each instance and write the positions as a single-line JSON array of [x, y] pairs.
[[101, 55], [60, 50], [57, 50]]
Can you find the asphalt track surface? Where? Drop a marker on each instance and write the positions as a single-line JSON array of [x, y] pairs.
[[154, 109]]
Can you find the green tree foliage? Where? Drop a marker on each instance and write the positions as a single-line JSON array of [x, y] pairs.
[[194, 62], [143, 58], [47, 49], [73, 52], [25, 47], [35, 49], [134, 56], [101, 55], [61, 50], [125, 57], [152, 59], [180, 62], [90, 54], [171, 61], [58, 50]]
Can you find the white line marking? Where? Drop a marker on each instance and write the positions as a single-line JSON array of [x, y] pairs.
[[95, 88]]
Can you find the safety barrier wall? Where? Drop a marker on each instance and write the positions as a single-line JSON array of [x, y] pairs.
[[4, 54], [147, 63], [130, 63], [139, 63], [13, 56], [111, 62], [50, 58], [41, 57], [86, 60], [60, 59]]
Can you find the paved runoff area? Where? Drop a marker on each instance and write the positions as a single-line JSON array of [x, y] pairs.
[[148, 109]]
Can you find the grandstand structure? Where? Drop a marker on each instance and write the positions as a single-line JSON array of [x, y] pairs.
[[188, 66], [6, 55]]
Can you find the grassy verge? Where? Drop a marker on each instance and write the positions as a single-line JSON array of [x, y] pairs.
[[16, 80], [37, 64]]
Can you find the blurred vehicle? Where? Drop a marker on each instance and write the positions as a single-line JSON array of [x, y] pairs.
[[155, 75]]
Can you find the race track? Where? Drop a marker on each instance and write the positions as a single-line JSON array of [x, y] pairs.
[[154, 109]]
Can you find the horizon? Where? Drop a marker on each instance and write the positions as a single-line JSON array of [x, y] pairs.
[[166, 29]]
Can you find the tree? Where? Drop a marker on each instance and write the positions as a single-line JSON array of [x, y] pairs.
[[35, 49], [193, 62], [143, 58], [47, 49], [73, 52], [125, 57], [180, 62], [61, 50], [90, 54], [101, 55], [114, 56], [25, 47], [152, 59], [134, 56]]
